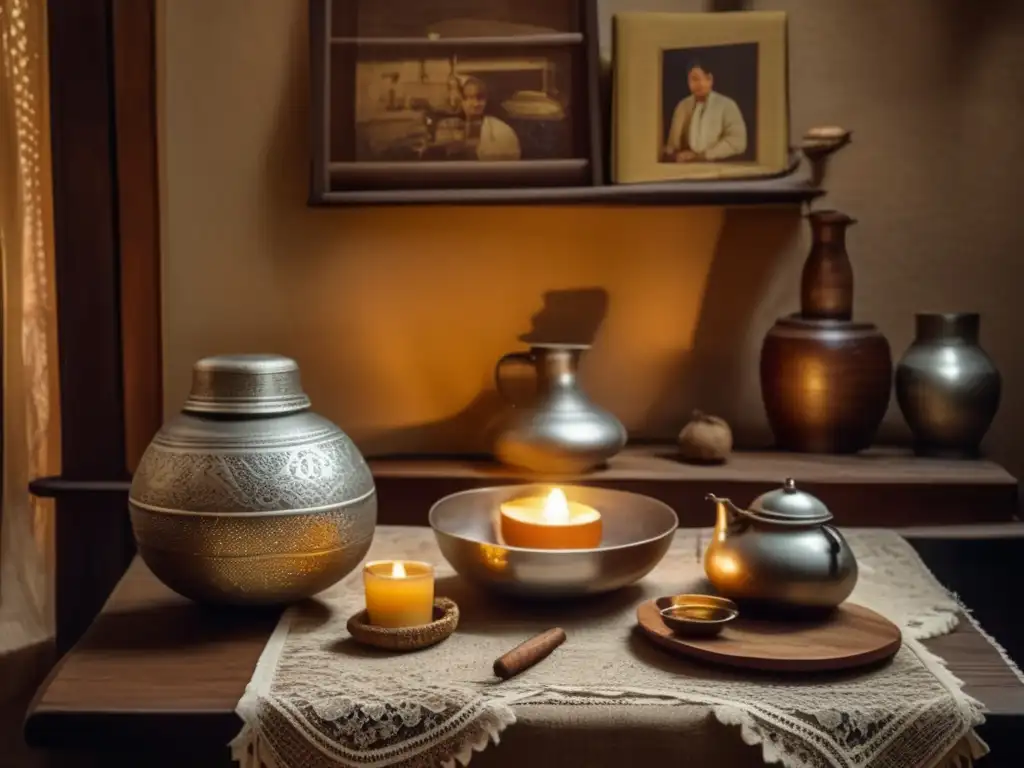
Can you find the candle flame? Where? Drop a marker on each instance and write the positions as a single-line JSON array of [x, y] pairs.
[[556, 508], [397, 570]]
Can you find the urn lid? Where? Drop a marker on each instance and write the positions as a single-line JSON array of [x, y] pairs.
[[246, 385], [790, 505]]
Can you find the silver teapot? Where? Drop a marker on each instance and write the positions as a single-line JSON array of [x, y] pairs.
[[780, 552]]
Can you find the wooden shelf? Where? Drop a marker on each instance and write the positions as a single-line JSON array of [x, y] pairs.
[[783, 190], [457, 173], [505, 41], [881, 487]]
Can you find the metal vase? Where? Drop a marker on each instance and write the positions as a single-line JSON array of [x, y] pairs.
[[559, 430], [246, 497], [948, 388]]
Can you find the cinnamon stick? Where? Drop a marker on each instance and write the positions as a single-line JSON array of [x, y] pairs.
[[525, 655]]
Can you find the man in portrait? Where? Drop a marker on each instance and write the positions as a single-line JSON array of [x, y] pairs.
[[487, 137], [706, 125]]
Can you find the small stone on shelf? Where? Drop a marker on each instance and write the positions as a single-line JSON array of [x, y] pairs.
[[705, 439]]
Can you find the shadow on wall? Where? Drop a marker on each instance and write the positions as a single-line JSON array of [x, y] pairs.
[[710, 376], [566, 317], [747, 255]]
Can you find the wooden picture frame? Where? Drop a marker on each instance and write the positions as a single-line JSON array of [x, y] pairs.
[[453, 95], [700, 96]]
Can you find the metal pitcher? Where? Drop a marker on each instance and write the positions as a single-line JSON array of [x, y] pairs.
[[559, 430]]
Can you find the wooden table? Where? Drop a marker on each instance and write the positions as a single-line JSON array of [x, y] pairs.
[[158, 676]]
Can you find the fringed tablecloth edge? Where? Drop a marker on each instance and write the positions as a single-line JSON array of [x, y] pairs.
[[941, 622], [970, 747], [961, 754], [248, 748], [490, 733], [966, 751], [991, 640]]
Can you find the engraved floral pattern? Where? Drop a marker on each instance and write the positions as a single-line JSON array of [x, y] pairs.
[[321, 474]]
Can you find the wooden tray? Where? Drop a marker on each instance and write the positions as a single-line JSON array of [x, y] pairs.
[[853, 636]]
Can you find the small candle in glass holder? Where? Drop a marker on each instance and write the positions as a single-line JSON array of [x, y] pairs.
[[399, 593]]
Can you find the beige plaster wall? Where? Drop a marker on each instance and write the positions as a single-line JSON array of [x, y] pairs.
[[397, 315]]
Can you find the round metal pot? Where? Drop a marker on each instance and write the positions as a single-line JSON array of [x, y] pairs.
[[948, 388], [247, 497], [825, 384]]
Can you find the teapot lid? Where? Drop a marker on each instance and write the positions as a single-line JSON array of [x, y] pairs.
[[790, 505], [246, 385]]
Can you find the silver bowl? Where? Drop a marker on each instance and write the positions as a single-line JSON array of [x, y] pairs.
[[637, 532]]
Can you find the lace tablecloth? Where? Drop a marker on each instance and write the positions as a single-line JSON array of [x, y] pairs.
[[318, 700]]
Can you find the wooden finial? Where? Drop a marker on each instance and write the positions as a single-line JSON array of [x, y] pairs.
[[820, 142]]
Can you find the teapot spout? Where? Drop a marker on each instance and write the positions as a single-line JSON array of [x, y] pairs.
[[727, 514]]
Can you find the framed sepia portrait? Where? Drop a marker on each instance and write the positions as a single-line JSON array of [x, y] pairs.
[[455, 94], [700, 96], [469, 106]]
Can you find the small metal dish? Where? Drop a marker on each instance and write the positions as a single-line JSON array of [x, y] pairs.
[[696, 615]]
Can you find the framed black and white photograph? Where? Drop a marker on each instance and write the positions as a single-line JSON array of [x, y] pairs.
[[700, 96]]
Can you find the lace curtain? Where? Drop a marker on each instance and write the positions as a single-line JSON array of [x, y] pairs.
[[30, 419]]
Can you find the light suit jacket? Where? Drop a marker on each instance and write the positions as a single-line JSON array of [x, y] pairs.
[[722, 119], [497, 141]]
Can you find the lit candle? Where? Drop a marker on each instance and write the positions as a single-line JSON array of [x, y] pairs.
[[399, 593], [550, 522]]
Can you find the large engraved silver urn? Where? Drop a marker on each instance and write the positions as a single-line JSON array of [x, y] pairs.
[[247, 497]]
